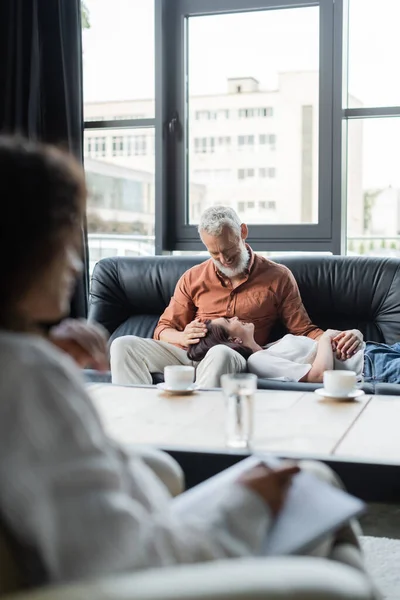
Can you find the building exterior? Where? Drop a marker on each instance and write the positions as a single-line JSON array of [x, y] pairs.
[[253, 149], [385, 212], [120, 198]]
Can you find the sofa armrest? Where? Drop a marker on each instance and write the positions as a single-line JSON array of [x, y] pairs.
[[387, 389], [296, 386], [253, 579]]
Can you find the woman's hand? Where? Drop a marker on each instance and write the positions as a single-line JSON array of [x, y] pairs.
[[348, 343], [330, 335], [85, 342], [271, 484]]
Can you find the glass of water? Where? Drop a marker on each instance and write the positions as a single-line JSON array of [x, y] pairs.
[[239, 390]]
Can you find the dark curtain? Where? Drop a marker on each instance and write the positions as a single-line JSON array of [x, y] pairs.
[[41, 81]]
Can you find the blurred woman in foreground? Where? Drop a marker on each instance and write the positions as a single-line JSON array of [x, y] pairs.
[[68, 494]]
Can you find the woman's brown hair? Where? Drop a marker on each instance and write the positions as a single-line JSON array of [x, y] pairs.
[[43, 195], [215, 336]]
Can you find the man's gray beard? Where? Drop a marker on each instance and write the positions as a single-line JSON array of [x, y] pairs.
[[242, 264]]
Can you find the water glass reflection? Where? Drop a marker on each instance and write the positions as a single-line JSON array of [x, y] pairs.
[[239, 389]]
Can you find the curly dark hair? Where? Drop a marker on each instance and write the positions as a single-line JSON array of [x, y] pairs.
[[43, 195], [216, 334]]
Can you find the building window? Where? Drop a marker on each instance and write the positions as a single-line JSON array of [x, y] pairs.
[[118, 145], [223, 142], [254, 113], [99, 147], [211, 115], [202, 115], [265, 172], [204, 145], [267, 139], [245, 173], [137, 145], [267, 205], [254, 205], [96, 147], [245, 140], [129, 145], [266, 112]]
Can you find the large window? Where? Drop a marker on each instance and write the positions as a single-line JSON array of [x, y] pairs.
[[286, 110], [278, 99], [255, 102], [372, 122], [119, 140]]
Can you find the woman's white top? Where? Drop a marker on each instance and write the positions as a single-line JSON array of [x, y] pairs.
[[88, 507], [292, 357]]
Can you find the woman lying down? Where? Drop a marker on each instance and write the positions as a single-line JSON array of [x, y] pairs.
[[299, 358]]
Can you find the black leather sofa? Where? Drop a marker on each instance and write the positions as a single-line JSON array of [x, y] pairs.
[[129, 294]]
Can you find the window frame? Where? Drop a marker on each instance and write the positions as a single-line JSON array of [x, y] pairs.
[[349, 114], [172, 230]]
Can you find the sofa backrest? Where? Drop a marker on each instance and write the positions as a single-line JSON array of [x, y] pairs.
[[129, 294]]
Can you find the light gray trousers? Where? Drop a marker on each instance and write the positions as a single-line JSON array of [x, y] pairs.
[[134, 359]]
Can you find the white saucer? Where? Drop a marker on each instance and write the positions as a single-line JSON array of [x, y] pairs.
[[186, 392], [351, 396]]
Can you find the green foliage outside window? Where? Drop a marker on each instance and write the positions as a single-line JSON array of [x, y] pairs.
[[85, 16]]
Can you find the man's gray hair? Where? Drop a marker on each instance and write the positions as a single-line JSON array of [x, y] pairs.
[[214, 219]]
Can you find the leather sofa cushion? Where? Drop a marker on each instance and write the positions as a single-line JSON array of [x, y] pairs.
[[129, 294]]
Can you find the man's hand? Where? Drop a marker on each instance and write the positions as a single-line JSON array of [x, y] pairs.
[[347, 343], [271, 484], [192, 333], [85, 342]]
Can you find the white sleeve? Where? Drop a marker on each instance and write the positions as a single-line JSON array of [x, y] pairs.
[[265, 364], [87, 508]]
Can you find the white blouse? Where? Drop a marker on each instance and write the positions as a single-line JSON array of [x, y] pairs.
[[79, 499], [292, 357]]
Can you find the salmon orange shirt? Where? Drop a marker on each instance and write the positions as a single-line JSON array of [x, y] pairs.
[[267, 293]]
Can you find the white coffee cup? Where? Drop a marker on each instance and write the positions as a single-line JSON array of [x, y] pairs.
[[178, 377], [340, 383]]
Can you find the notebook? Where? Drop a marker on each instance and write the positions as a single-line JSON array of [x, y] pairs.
[[312, 509]]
